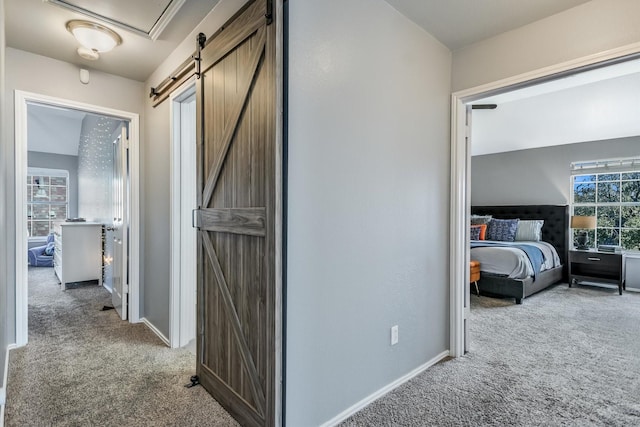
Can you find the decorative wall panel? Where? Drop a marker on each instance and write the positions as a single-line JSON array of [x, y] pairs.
[[95, 168]]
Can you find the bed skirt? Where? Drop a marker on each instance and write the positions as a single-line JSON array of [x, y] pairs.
[[502, 286]]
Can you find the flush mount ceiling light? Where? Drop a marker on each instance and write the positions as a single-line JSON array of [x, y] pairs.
[[93, 37]]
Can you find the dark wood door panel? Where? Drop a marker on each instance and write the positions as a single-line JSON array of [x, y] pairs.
[[231, 303], [236, 217], [235, 98], [248, 221]]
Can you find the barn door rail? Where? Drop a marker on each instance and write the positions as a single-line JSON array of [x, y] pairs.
[[191, 66], [188, 68]]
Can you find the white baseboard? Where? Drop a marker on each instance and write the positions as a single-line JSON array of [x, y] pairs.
[[156, 331], [384, 390], [5, 377]]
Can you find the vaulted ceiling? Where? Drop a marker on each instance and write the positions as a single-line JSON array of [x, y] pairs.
[[54, 130], [596, 105]]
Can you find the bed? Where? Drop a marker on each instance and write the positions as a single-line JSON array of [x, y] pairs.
[[554, 231]]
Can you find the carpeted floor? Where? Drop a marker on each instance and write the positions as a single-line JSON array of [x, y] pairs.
[[86, 367], [566, 357]]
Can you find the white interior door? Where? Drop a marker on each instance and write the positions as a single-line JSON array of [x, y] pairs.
[[120, 226], [467, 287], [183, 236], [188, 202]]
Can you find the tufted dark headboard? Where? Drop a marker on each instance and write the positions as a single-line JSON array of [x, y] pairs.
[[555, 229]]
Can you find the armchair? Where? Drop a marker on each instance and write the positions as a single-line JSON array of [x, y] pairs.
[[38, 256]]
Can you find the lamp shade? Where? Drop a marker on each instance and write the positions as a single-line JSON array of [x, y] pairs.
[[583, 222], [93, 36]]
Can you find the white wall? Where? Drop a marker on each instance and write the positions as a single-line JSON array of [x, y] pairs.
[[39, 74], [538, 176], [368, 195], [592, 27], [156, 174], [6, 321]]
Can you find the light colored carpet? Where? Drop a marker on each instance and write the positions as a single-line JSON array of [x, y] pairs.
[[566, 357], [86, 367]]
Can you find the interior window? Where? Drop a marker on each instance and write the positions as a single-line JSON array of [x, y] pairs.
[[47, 200]]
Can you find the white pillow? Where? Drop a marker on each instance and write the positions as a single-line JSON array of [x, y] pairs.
[[529, 230]]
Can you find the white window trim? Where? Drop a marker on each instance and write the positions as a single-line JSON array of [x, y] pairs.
[[34, 171], [604, 167]]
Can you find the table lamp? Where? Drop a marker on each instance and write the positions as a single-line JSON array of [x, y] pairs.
[[582, 223]]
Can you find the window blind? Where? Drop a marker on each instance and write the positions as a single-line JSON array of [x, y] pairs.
[[627, 164]]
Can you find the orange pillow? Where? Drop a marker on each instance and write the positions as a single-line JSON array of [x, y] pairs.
[[483, 230]]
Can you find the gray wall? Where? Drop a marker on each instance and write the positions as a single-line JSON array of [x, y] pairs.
[[6, 318], [34, 73], [538, 176], [368, 195], [156, 160], [37, 159]]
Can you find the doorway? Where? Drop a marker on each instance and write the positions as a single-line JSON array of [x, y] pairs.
[[182, 310], [460, 173], [22, 101]]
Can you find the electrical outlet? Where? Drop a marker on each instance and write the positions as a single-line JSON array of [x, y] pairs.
[[394, 335]]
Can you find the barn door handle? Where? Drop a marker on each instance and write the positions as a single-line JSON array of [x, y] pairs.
[[269, 14], [194, 218]]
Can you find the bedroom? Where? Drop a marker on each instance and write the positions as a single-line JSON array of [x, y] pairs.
[[70, 162], [533, 136]]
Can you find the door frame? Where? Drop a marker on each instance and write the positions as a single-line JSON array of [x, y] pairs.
[[178, 315], [22, 98], [461, 169]]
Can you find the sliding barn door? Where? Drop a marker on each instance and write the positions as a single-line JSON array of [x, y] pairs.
[[236, 217]]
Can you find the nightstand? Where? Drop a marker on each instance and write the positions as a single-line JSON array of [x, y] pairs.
[[597, 267], [474, 274]]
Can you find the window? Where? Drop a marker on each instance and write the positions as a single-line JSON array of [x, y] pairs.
[[47, 200], [614, 199]]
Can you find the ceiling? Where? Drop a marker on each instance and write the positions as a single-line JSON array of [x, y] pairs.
[[458, 23], [595, 105], [59, 130], [53, 129], [136, 16], [38, 26]]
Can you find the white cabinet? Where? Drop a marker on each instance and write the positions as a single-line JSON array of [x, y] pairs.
[[78, 252]]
